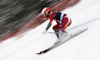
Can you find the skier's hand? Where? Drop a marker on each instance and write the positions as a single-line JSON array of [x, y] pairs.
[[44, 32]]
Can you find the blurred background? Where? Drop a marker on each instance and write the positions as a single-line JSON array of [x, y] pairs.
[[15, 13]]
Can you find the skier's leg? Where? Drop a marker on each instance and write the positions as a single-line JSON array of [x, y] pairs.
[[65, 23], [55, 28]]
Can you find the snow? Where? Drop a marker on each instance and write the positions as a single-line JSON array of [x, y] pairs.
[[85, 46]]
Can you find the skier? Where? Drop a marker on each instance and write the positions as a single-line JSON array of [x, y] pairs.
[[62, 20]]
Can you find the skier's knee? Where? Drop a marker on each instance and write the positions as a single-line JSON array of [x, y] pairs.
[[54, 29]]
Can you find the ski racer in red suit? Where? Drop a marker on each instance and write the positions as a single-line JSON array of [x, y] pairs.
[[62, 20]]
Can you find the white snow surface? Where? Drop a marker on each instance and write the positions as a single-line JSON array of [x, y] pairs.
[[85, 46]]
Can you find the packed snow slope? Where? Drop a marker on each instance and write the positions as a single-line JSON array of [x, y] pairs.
[[85, 46]]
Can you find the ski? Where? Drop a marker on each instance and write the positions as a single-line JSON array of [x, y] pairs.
[[44, 51], [62, 42]]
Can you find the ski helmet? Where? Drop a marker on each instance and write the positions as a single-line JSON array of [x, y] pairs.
[[45, 11]]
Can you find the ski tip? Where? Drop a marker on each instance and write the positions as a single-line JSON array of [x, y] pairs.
[[43, 52], [40, 53]]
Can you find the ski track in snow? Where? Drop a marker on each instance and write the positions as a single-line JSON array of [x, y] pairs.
[[85, 46]]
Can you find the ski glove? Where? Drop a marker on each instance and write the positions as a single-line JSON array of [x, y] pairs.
[[44, 32]]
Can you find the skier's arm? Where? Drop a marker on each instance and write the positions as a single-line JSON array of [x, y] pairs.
[[50, 22], [49, 25]]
